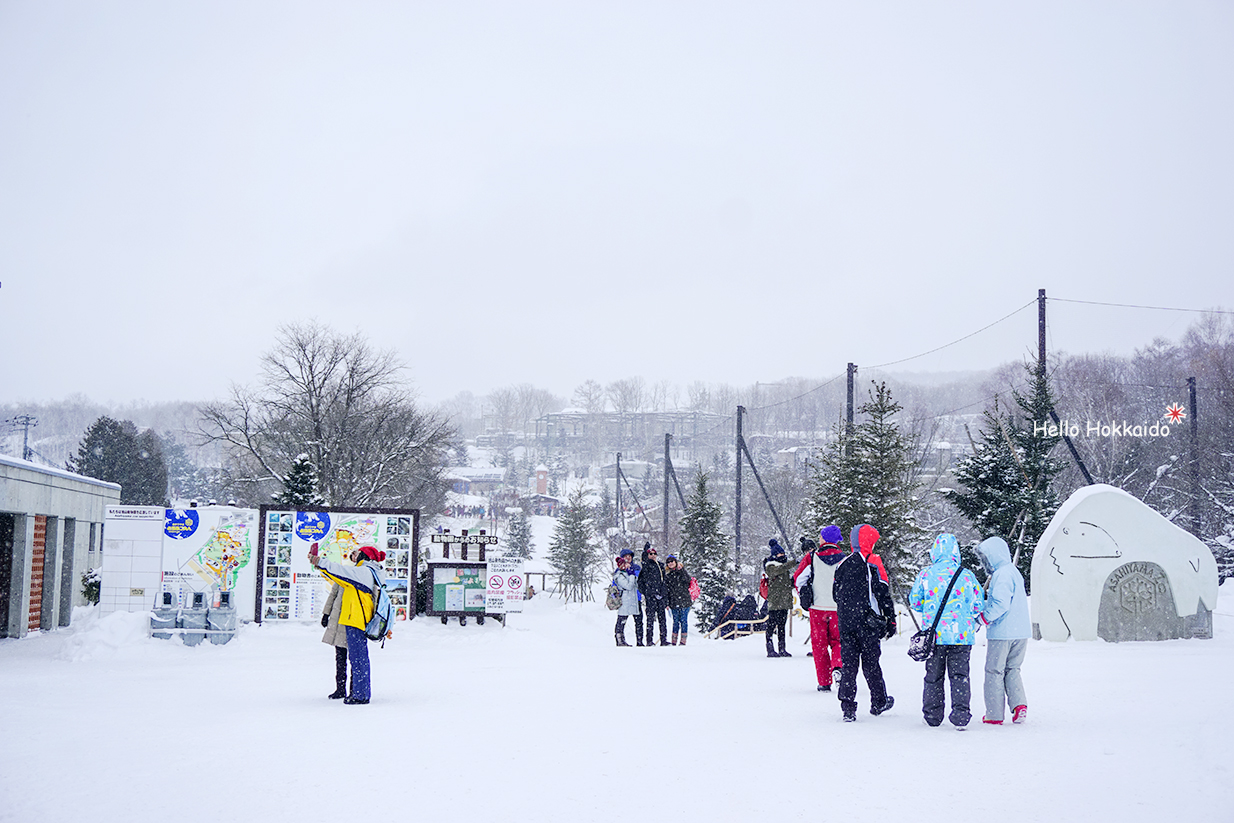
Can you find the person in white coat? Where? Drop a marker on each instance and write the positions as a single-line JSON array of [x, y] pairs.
[[626, 578], [1009, 628]]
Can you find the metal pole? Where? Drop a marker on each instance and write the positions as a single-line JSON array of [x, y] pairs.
[[1197, 522], [667, 467], [737, 507], [848, 413], [1041, 330], [617, 484]]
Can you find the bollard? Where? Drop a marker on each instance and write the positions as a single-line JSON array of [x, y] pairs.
[[222, 619], [163, 618], [194, 618]]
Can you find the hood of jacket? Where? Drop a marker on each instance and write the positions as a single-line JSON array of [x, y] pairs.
[[831, 555], [945, 550], [862, 538], [994, 553]]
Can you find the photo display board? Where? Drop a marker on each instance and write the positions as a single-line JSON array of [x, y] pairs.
[[210, 549], [459, 587], [289, 588]]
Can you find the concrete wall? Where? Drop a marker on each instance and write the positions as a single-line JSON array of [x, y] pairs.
[[70, 510]]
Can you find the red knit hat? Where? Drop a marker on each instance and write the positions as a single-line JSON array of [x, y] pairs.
[[372, 553]]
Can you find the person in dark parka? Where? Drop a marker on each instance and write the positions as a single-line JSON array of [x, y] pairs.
[[677, 586], [655, 595], [866, 615], [779, 596]]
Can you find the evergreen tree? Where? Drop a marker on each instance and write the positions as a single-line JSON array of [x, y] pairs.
[[705, 549], [833, 487], [1008, 482], [299, 486], [606, 509], [869, 476], [518, 536], [112, 450], [887, 469], [572, 550]]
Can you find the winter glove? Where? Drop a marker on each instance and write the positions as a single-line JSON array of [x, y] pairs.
[[980, 621], [325, 621], [891, 627]]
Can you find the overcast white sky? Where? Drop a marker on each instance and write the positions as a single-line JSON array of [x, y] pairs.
[[549, 192]]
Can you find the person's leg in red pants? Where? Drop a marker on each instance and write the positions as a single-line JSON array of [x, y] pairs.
[[820, 643]]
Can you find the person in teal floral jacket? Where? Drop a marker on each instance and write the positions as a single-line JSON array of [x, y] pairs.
[[957, 630]]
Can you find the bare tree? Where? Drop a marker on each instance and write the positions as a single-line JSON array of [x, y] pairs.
[[590, 396], [626, 395], [343, 404]]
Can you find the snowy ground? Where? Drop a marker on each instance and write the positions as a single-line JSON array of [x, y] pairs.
[[546, 720]]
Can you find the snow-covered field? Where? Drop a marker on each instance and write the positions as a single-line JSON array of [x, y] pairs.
[[546, 719]]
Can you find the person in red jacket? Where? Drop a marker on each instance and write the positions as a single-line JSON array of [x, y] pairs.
[[817, 570]]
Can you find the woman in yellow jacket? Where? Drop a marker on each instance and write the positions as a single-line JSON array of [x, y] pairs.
[[358, 584]]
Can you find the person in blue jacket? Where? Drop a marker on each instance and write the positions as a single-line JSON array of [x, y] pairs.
[[1006, 615], [957, 630], [358, 584]]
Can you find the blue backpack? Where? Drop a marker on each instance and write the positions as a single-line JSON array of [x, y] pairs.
[[378, 627]]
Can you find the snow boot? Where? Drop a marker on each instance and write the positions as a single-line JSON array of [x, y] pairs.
[[771, 650], [621, 640], [824, 688], [1019, 714], [785, 652], [664, 640], [990, 722], [674, 638], [638, 639], [354, 701], [891, 701], [835, 675], [336, 694], [683, 641], [850, 715]]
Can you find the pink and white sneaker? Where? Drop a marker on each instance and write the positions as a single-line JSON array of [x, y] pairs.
[[990, 722], [1019, 714]]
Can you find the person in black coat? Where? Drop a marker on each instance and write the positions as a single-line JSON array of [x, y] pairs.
[[651, 586], [677, 588], [866, 615]]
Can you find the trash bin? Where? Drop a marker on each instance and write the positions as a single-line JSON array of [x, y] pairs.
[[194, 618], [163, 618], [222, 619]]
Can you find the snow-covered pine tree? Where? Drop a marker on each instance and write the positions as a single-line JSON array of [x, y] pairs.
[[518, 536], [299, 486], [705, 549], [887, 471], [1036, 449], [1008, 483], [833, 486], [572, 550]]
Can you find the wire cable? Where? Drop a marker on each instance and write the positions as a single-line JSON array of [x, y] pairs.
[[959, 340], [1134, 306]]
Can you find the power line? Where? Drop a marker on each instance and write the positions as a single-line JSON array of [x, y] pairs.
[[1134, 306], [959, 340]]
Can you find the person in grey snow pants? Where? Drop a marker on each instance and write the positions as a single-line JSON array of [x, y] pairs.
[[1006, 615]]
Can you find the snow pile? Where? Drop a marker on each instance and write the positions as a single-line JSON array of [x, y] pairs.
[[545, 719]]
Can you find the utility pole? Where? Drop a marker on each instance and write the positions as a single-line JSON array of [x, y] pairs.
[[617, 483], [27, 422], [1041, 330], [1075, 455], [848, 412], [1196, 520], [668, 465], [737, 507]]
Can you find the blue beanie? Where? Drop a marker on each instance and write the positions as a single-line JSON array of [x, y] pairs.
[[831, 534]]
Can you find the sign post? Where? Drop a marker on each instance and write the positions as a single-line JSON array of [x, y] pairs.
[[504, 593]]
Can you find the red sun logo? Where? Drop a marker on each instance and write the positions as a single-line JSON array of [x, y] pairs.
[[1174, 412]]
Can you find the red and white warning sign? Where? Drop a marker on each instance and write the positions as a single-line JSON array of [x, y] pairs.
[[505, 586]]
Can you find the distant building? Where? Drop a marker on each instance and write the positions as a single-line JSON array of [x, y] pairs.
[[479, 481], [51, 531]]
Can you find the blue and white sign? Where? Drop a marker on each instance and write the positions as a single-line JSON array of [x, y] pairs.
[[180, 523], [312, 526]]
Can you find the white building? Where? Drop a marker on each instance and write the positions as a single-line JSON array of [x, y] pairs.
[[51, 531]]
